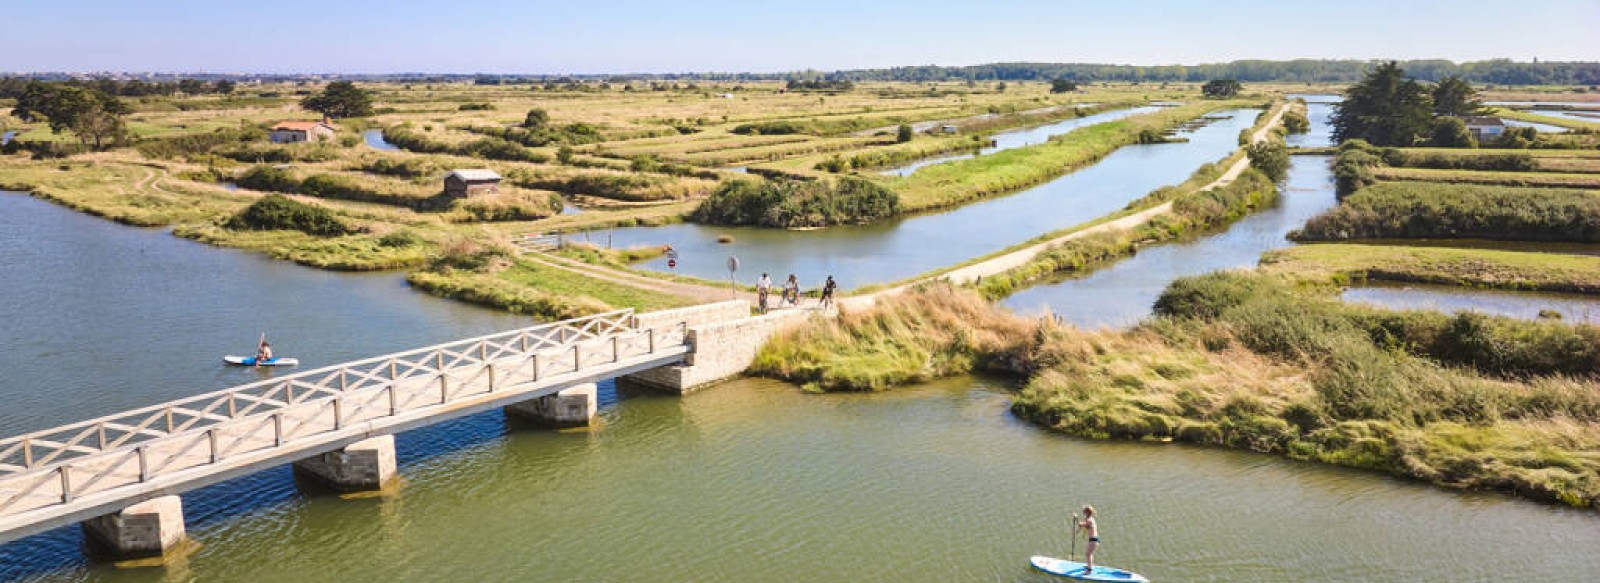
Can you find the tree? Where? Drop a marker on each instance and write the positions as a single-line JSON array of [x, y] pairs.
[[1000, 87], [224, 86], [1385, 108], [1451, 132], [1221, 88], [192, 86], [1063, 85], [340, 99], [903, 135], [537, 119], [94, 116], [1271, 157], [1455, 96]]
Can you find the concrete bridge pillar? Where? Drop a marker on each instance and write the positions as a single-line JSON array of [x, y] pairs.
[[574, 406], [364, 465], [147, 529]]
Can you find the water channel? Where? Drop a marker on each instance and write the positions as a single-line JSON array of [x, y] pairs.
[[894, 250], [1025, 137], [1122, 293], [374, 140], [1522, 305], [749, 481]]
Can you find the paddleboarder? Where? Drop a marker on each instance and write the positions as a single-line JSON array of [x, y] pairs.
[[1089, 526], [263, 351]]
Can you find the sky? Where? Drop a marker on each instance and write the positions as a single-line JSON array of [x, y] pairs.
[[620, 36]]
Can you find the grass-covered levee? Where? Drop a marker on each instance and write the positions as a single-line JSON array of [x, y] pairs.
[[1260, 362]]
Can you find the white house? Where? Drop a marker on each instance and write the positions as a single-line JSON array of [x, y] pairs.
[[287, 132], [1484, 128]]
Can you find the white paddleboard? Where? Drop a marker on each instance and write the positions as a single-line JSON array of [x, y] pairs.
[[1076, 570], [251, 361]]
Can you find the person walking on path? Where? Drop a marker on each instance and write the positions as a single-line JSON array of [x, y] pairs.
[[1088, 525], [791, 290], [827, 293], [763, 289]]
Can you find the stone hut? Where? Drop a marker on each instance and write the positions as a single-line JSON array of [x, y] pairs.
[[1484, 128], [464, 183], [288, 132]]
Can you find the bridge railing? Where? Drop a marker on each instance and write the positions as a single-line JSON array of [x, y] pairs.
[[55, 466]]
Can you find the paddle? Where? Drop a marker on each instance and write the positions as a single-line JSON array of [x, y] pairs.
[[1073, 555]]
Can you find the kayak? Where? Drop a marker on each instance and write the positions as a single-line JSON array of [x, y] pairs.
[[1075, 570], [251, 361]]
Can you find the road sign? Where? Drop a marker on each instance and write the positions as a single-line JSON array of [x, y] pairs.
[[672, 263], [733, 264]]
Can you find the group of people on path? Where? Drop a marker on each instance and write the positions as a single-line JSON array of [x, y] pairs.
[[791, 292]]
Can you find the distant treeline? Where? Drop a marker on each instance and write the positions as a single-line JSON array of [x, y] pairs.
[[15, 87], [1496, 71]]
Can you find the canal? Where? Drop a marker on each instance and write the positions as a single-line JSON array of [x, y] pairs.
[[893, 250]]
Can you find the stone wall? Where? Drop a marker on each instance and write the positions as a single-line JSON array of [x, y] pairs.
[[720, 350], [695, 315]]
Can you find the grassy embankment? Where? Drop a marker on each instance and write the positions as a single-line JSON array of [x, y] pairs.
[[1431, 210], [961, 181], [1571, 124], [1488, 268], [1254, 362]]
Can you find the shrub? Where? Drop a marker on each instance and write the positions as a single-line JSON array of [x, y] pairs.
[[770, 128], [795, 203], [1295, 122], [476, 107], [401, 238], [270, 179], [277, 212], [1271, 157], [1433, 210]]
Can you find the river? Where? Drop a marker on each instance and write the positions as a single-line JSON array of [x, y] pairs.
[[1025, 137], [374, 140], [899, 249]]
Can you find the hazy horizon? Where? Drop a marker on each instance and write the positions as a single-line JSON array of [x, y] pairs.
[[621, 37]]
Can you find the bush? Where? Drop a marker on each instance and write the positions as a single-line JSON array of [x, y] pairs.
[[794, 203], [402, 167], [401, 238], [270, 179], [1451, 132], [476, 107], [277, 212], [1352, 169], [1271, 157], [1295, 122], [770, 128]]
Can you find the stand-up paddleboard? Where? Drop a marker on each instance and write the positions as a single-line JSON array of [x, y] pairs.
[[251, 361], [1075, 570]]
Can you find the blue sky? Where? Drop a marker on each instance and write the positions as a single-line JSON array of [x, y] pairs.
[[614, 36]]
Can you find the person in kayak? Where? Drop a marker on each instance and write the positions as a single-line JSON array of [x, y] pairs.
[[1088, 525]]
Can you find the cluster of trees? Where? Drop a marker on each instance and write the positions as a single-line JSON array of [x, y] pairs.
[[14, 87], [819, 85], [340, 99], [95, 117], [1062, 85], [1388, 108], [1222, 88]]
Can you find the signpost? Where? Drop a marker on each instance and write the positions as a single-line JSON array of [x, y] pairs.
[[733, 267]]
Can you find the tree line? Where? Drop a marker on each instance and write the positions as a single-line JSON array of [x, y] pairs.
[[14, 87]]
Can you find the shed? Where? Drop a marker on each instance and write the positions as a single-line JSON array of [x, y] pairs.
[[461, 183], [288, 132], [1484, 128]]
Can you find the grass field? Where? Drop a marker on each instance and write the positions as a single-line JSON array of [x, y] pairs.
[[1548, 179]]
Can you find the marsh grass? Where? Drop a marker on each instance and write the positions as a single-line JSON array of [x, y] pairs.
[[1488, 268]]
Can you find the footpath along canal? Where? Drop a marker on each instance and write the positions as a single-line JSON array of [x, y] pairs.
[[894, 250]]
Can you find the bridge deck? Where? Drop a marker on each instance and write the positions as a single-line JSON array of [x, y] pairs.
[[70, 473]]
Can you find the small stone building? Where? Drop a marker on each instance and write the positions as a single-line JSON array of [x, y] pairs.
[[463, 183], [288, 132], [1484, 128]]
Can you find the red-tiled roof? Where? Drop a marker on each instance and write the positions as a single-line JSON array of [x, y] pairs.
[[299, 126]]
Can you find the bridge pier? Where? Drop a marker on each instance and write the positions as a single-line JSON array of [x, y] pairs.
[[574, 406], [364, 465], [147, 529]]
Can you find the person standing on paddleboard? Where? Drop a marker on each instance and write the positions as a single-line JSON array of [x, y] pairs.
[[1089, 526]]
